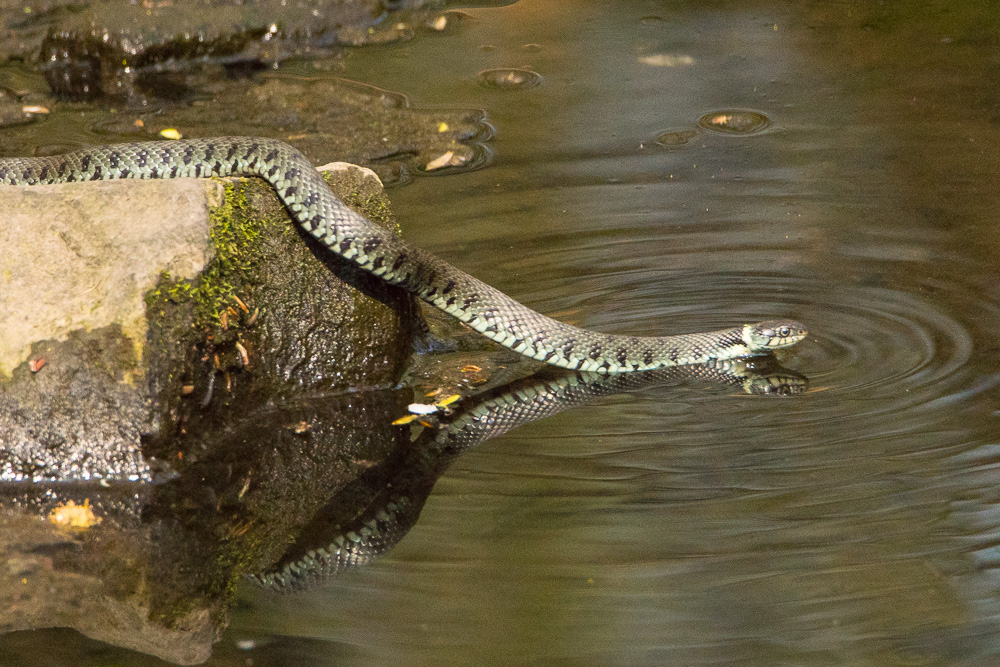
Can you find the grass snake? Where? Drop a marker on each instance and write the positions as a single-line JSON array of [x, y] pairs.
[[316, 210]]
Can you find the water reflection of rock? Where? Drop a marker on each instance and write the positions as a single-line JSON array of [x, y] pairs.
[[155, 574], [259, 486]]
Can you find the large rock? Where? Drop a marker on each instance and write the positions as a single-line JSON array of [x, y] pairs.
[[123, 306], [210, 378]]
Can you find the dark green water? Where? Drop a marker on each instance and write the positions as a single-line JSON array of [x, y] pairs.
[[854, 524]]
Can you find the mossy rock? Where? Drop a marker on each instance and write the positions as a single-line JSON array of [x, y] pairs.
[[276, 311]]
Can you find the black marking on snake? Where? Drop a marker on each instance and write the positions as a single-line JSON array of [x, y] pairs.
[[62, 167], [113, 159], [674, 355], [730, 341], [647, 357], [85, 163], [450, 301], [449, 287], [272, 171], [698, 351], [621, 355], [371, 244], [230, 153], [595, 351], [44, 173], [549, 355], [173, 171], [272, 156], [568, 347], [345, 245], [469, 300], [97, 173], [400, 258]]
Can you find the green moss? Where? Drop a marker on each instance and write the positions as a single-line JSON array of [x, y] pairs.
[[235, 230], [376, 208]]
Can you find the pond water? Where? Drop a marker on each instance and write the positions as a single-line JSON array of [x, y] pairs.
[[851, 524]]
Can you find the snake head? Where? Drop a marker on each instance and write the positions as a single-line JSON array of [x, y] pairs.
[[773, 334]]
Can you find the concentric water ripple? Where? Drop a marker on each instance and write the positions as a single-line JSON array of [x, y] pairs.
[[885, 348]]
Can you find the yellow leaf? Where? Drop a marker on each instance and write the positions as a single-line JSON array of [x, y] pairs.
[[72, 515], [448, 401], [404, 420]]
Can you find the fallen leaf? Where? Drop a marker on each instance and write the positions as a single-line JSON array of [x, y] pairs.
[[439, 162], [72, 515]]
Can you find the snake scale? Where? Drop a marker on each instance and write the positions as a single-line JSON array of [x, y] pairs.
[[314, 207]]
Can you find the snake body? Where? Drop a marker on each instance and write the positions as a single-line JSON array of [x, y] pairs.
[[314, 207]]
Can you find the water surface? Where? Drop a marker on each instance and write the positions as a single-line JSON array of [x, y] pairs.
[[853, 524]]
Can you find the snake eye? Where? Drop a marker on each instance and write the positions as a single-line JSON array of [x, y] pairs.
[[784, 332]]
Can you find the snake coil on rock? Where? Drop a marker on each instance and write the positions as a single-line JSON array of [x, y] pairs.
[[314, 207]]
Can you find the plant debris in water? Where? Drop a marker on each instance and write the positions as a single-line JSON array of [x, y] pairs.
[[735, 121]]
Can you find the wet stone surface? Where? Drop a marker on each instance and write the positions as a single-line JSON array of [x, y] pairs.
[[80, 415], [106, 47], [328, 119]]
